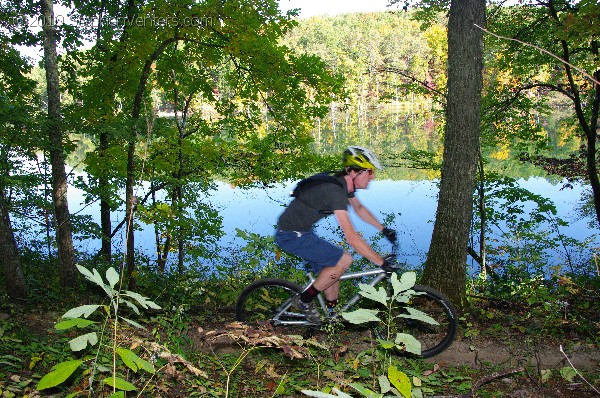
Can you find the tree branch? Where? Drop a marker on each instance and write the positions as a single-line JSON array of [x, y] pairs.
[[391, 69], [577, 372], [583, 72]]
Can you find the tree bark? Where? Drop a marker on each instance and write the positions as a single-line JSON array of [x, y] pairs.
[[130, 206], [14, 281], [104, 186], [64, 238], [445, 268]]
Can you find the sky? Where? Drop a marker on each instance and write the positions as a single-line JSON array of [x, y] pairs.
[[309, 8]]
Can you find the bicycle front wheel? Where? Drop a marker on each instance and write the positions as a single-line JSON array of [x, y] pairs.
[[268, 300], [434, 338]]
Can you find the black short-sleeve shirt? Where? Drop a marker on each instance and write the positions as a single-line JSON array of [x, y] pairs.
[[303, 213]]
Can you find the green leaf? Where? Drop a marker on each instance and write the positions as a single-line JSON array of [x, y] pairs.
[[386, 344], [85, 310], [131, 305], [144, 302], [411, 344], [407, 281], [102, 368], [132, 323], [81, 342], [370, 292], [418, 315], [133, 362], [546, 374], [361, 315], [384, 384], [112, 276], [58, 374], [90, 276], [568, 373], [119, 383], [10, 360], [73, 322], [96, 278], [118, 394], [417, 393], [400, 380], [365, 391], [320, 394]]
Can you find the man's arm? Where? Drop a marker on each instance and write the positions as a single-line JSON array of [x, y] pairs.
[[354, 239], [364, 213]]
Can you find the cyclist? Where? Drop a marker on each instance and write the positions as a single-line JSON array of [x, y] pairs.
[[318, 197]]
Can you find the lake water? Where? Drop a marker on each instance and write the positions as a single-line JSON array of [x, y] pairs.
[[257, 209]]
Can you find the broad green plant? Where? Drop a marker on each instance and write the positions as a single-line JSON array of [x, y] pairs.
[[77, 318], [395, 382]]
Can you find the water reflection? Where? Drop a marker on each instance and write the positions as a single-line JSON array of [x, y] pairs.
[[414, 203]]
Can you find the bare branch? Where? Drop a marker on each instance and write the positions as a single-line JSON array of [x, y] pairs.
[[576, 371], [391, 69], [583, 72]]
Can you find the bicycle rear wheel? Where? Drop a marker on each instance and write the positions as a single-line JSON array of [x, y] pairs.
[[433, 338], [265, 300]]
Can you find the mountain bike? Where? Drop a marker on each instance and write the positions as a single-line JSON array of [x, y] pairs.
[[270, 299]]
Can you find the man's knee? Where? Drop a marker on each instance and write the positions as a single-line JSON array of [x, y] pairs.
[[344, 262]]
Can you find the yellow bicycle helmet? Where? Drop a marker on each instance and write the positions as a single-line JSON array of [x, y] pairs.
[[359, 157]]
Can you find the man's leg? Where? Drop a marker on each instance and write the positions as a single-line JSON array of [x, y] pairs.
[[328, 279]]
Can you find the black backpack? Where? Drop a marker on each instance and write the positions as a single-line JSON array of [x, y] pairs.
[[317, 179]]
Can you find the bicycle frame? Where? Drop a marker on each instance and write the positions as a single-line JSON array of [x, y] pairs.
[[378, 273], [282, 310]]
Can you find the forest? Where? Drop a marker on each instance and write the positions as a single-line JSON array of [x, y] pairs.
[[146, 106]]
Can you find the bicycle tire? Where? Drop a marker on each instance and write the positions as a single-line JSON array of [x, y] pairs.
[[260, 300], [434, 339]]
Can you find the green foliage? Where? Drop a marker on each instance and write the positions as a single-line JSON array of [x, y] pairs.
[[260, 257], [400, 381], [523, 223], [386, 60], [401, 293], [349, 371], [559, 306], [61, 372]]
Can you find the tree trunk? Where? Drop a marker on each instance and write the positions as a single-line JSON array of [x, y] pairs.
[[445, 268], [14, 281], [130, 206], [592, 170], [130, 200], [104, 187], [64, 238]]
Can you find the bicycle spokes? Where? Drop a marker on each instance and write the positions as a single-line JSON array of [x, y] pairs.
[[427, 318]]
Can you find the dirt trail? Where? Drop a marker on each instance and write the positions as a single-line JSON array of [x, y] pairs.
[[474, 352], [480, 351]]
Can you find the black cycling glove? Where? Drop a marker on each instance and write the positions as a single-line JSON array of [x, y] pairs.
[[390, 234], [388, 263]]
